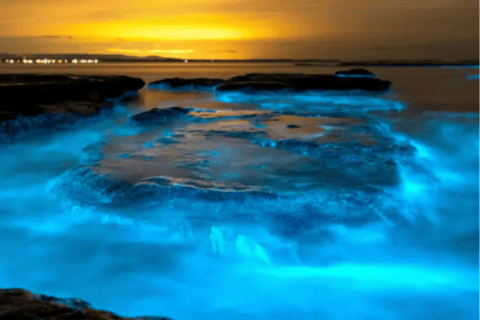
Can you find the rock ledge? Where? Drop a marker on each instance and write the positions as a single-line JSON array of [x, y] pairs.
[[34, 94], [20, 304], [357, 79]]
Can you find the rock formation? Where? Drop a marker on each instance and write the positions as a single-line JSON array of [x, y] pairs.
[[20, 304], [179, 83], [34, 94], [357, 79], [361, 73], [156, 115]]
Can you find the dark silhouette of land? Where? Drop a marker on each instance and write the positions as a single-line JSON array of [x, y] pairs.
[[300, 62]]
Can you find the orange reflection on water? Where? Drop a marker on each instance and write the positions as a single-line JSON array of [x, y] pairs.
[[324, 129], [227, 113]]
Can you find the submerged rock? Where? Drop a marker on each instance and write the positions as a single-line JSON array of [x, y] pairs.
[[34, 94], [23, 304], [156, 115]]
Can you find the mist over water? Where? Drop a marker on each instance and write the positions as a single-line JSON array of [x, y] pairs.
[[306, 206]]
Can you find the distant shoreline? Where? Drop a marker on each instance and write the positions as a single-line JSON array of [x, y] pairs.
[[82, 58], [303, 63]]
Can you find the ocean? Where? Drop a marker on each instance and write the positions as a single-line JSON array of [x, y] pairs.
[[311, 205]]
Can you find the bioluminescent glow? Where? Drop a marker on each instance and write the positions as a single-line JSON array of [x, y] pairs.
[[186, 88], [283, 206], [368, 76], [469, 66], [351, 102]]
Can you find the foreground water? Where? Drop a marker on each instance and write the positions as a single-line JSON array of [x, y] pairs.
[[312, 206]]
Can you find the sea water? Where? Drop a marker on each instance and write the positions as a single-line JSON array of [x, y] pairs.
[[313, 205]]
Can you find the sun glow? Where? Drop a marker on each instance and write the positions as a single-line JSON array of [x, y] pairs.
[[148, 52], [165, 30]]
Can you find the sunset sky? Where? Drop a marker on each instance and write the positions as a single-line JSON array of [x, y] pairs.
[[244, 29]]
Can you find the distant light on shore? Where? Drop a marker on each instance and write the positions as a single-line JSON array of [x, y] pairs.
[[49, 61]]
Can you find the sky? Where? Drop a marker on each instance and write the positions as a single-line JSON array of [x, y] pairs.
[[244, 29]]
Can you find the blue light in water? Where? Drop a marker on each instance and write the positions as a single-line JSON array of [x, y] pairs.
[[383, 276], [469, 66], [186, 88], [473, 77], [296, 255], [367, 76], [312, 101], [149, 145]]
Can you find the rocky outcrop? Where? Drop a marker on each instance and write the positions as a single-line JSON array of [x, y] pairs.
[[255, 85], [360, 73], [359, 79], [35, 94], [20, 304], [156, 115], [178, 83], [298, 82]]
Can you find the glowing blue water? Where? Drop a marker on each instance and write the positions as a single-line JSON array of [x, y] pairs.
[[336, 101], [368, 76], [233, 215]]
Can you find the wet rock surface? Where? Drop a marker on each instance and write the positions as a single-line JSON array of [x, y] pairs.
[[34, 94], [185, 83], [258, 81], [356, 79], [156, 115], [355, 73], [22, 304]]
